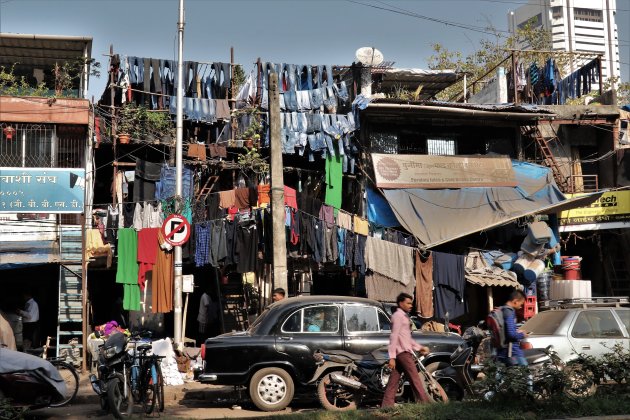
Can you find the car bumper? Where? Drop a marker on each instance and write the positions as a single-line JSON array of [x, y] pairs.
[[207, 378]]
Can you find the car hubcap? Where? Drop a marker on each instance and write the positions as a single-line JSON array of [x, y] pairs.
[[272, 389]]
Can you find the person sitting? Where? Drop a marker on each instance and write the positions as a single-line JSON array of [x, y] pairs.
[[316, 323]]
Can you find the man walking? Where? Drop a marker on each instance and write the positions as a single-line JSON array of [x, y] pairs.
[[512, 355], [401, 346]]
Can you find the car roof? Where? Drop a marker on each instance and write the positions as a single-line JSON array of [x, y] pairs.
[[302, 300]]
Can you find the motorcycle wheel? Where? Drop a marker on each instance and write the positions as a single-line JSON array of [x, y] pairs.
[[120, 405], [580, 382], [335, 397], [434, 390]]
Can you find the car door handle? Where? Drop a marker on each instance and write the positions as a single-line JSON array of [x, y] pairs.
[[586, 347], [285, 338]]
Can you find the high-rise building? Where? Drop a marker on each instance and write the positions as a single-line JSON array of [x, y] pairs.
[[581, 26]]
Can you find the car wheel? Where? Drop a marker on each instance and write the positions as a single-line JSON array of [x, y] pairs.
[[271, 389], [335, 397]]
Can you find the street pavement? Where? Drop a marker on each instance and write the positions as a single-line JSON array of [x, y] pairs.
[[192, 400]]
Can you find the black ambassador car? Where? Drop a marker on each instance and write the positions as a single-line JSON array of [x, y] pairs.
[[275, 355]]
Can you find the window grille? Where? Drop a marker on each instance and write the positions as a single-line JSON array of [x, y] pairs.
[[441, 147]]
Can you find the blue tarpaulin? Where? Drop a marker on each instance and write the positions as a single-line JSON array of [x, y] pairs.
[[378, 210]]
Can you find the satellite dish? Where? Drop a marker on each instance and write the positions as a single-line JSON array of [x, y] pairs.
[[369, 56]]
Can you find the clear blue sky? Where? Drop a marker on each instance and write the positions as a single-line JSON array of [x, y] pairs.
[[291, 31]]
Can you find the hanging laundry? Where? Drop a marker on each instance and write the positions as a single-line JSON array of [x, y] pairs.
[[202, 244], [331, 249], [341, 246], [218, 246], [359, 253], [127, 269], [361, 225], [163, 276], [385, 289], [152, 215], [424, 285], [327, 214], [263, 194], [245, 249], [334, 181], [450, 282], [241, 196], [290, 197], [344, 220], [390, 260], [227, 199], [147, 253], [146, 175], [95, 247]]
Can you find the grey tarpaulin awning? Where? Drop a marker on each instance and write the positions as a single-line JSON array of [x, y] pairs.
[[439, 216]]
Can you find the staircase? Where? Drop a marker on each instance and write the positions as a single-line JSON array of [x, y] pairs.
[[617, 267], [548, 157], [69, 342]]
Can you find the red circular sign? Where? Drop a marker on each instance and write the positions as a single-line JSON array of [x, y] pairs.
[[176, 229]]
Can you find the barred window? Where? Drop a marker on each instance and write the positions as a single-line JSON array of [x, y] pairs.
[[441, 146]]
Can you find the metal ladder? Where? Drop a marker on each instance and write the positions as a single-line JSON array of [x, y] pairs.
[[70, 312], [548, 157]]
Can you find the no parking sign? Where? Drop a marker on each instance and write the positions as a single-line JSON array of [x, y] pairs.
[[176, 229]]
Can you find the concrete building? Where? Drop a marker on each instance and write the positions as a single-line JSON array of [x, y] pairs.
[[580, 26]]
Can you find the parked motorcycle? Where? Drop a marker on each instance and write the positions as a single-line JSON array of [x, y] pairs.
[[346, 380], [458, 378], [113, 383], [28, 381]]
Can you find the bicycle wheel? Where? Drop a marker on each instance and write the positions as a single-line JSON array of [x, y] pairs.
[[148, 391], [71, 378], [160, 385]]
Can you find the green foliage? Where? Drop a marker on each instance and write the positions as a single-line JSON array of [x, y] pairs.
[[253, 161], [614, 365], [7, 411], [68, 73], [238, 78], [66, 76], [255, 127], [490, 53], [142, 124], [12, 85]]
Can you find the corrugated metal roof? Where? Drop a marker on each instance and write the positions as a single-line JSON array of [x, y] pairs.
[[432, 81], [21, 253], [31, 50], [480, 273]]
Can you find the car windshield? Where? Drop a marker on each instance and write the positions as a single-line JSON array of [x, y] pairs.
[[544, 323]]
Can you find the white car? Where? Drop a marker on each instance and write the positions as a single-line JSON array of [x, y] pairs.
[[590, 331]]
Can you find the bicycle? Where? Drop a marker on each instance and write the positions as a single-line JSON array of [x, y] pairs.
[[147, 382], [66, 370]]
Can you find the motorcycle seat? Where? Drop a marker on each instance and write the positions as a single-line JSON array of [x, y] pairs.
[[532, 355]]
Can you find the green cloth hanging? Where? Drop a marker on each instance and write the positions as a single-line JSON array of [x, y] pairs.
[[127, 270], [334, 181], [131, 297]]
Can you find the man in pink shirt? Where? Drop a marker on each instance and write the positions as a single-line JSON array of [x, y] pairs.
[[401, 347]]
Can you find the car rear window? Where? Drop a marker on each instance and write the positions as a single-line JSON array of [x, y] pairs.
[[545, 323]]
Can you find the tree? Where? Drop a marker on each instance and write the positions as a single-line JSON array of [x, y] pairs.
[[491, 52]]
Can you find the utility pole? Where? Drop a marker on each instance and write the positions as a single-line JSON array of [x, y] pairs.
[[177, 299], [277, 188]]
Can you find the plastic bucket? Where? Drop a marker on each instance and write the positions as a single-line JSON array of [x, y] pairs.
[[534, 269], [543, 283], [571, 268]]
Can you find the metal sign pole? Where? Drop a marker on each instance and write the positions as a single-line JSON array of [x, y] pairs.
[[177, 299]]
